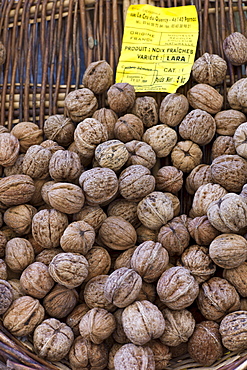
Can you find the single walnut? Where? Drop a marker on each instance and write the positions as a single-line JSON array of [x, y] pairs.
[[98, 76], [169, 179], [78, 237], [202, 231], [16, 189], [117, 233], [186, 155], [237, 277], [204, 196], [98, 184], [68, 269], [108, 118], [200, 175], [142, 321], [94, 293], [235, 48], [175, 203], [234, 93], [239, 139], [19, 218], [124, 258], [46, 255], [119, 334], [205, 97], [2, 53], [128, 127], [60, 301], [19, 253], [124, 208], [205, 346], [84, 354], [35, 280], [227, 121], [99, 262], [9, 149], [209, 69], [80, 104], [173, 109], [138, 357], [216, 298], [197, 260], [145, 234], [230, 171], [85, 161], [122, 287], [223, 145], [150, 260], [228, 250], [23, 315], [6, 296], [161, 138], [48, 226], [52, 339], [140, 153], [179, 326], [36, 162], [121, 97], [135, 182], [92, 215], [162, 354], [174, 236], [111, 154], [51, 145], [177, 288], [155, 210], [73, 319], [16, 169], [28, 133], [65, 165], [97, 325], [146, 108], [60, 129], [3, 270], [233, 331], [16, 290]]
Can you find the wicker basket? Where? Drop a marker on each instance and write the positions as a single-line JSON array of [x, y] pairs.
[[49, 44]]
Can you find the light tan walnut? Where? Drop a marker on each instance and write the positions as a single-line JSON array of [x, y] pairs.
[[121, 97], [146, 108], [202, 231], [46, 255], [128, 127], [28, 133], [99, 262], [140, 153], [94, 293], [233, 94], [233, 330], [19, 253], [35, 280], [19, 218], [16, 189], [237, 276], [60, 301], [119, 334], [144, 234], [36, 162], [124, 208], [227, 121], [223, 145], [169, 179], [173, 109], [6, 296], [124, 258], [80, 104], [108, 118], [204, 196], [92, 215], [200, 175], [209, 69], [205, 97], [161, 138], [65, 165], [78, 237], [186, 155], [98, 76], [59, 128], [138, 357], [16, 169], [85, 161], [240, 139], [51, 145], [235, 48], [111, 154], [9, 149]]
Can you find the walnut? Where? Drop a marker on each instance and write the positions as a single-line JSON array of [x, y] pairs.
[[124, 208], [52, 339], [128, 127], [23, 315], [48, 226], [51, 145], [205, 97], [16, 290], [73, 319], [146, 108], [239, 139], [108, 118], [161, 138], [155, 210], [19, 254], [60, 301], [121, 97], [142, 321], [173, 109], [46, 255], [36, 162], [147, 292], [97, 325], [80, 104], [2, 53], [150, 260], [204, 196], [28, 133], [179, 326], [140, 153], [202, 231], [98, 77], [227, 121], [69, 269], [228, 250], [233, 331], [235, 48], [117, 233], [84, 354], [177, 288], [161, 352], [111, 154], [98, 184], [200, 175], [223, 145], [174, 236], [144, 234], [9, 149], [3, 270], [16, 189], [19, 218], [6, 296], [16, 169], [99, 262], [186, 155], [119, 334], [169, 179], [237, 277], [122, 287], [65, 165], [78, 237], [59, 128], [35, 280], [135, 182], [94, 293], [92, 215], [230, 171], [197, 260], [124, 258], [209, 69], [205, 346], [175, 203], [138, 357], [85, 161], [216, 298]]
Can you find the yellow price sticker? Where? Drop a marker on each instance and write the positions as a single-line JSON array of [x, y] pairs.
[[158, 47]]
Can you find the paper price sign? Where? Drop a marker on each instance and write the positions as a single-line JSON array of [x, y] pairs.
[[158, 47]]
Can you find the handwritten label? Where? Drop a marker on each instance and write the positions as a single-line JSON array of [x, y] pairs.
[[158, 47]]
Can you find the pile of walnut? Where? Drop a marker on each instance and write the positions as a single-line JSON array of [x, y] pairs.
[[99, 267]]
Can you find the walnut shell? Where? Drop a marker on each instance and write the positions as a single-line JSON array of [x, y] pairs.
[[6, 296], [200, 175], [146, 108], [19, 253], [205, 97], [121, 97], [227, 121], [46, 255], [135, 356], [140, 153], [35, 280], [209, 69], [78, 237], [186, 155], [36, 162], [161, 138], [28, 133], [16, 169], [233, 331], [111, 154], [59, 128], [239, 139], [80, 104], [108, 118], [98, 76], [235, 48], [94, 293], [99, 262], [173, 109], [234, 93], [169, 179], [19, 218], [9, 149], [202, 231], [204, 196], [145, 234], [124, 258], [65, 165], [237, 277], [223, 145], [73, 319], [119, 334], [124, 208], [60, 301], [128, 127]]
